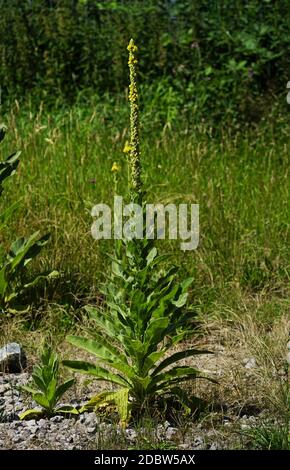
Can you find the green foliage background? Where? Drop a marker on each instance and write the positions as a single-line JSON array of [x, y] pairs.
[[214, 59], [64, 94]]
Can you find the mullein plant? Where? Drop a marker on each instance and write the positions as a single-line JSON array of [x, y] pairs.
[[14, 263], [144, 317], [45, 388]]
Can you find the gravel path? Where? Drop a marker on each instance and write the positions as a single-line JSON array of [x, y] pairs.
[[86, 431]]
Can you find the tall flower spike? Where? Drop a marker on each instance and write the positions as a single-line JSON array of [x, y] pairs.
[[134, 156]]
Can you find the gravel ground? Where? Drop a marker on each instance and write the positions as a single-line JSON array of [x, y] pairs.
[[87, 431]]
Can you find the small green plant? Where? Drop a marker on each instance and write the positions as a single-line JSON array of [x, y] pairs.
[[276, 436], [46, 390], [13, 265], [145, 315], [7, 168], [272, 437]]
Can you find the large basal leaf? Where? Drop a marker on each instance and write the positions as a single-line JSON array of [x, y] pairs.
[[121, 399], [8, 167], [31, 414], [66, 409], [99, 373], [101, 348], [41, 277], [93, 402], [177, 357], [24, 250], [150, 361], [175, 375], [27, 388], [105, 351]]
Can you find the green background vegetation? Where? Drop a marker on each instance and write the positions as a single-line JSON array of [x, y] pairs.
[[212, 59], [215, 131]]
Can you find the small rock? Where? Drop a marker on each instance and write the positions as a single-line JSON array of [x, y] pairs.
[[90, 418], [249, 363], [16, 424], [12, 358], [10, 416], [214, 446], [42, 423], [31, 423], [183, 446], [171, 432], [57, 419], [131, 434], [105, 426], [91, 429], [4, 388], [82, 419], [252, 419], [245, 426], [198, 443], [19, 407], [24, 434]]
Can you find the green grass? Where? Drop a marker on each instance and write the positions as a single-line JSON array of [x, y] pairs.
[[240, 179], [270, 438]]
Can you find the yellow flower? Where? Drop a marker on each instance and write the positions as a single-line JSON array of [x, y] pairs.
[[132, 46], [115, 168], [127, 147], [134, 151]]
